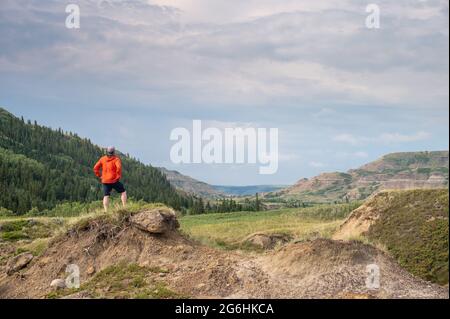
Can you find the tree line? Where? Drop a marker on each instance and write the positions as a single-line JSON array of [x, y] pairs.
[[225, 205], [41, 167]]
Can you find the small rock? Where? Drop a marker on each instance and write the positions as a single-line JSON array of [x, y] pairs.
[[144, 263], [90, 271], [32, 222], [185, 249], [261, 241], [43, 261], [18, 262], [267, 241], [58, 284]]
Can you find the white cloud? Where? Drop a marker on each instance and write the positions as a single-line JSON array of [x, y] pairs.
[[317, 164], [384, 138], [348, 138], [402, 138], [351, 155], [231, 11]]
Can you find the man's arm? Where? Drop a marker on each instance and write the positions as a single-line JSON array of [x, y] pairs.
[[119, 168], [97, 167]]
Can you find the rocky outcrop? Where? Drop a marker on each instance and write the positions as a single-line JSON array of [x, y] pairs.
[[421, 170], [158, 221], [18, 263]]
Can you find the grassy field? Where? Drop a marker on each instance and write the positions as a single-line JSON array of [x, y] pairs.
[[224, 230], [219, 230]]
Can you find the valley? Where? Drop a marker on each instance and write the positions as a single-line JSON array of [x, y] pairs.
[[182, 238]]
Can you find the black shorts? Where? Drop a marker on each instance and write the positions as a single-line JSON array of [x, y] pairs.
[[117, 186]]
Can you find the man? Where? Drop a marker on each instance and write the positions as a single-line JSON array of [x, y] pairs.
[[111, 167]]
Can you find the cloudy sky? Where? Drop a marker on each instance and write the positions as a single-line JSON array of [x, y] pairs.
[[339, 93]]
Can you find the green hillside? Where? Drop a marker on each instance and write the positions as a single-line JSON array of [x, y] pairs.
[[412, 225], [414, 228], [41, 167]]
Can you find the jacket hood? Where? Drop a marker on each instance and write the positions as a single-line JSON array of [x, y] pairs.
[[110, 158]]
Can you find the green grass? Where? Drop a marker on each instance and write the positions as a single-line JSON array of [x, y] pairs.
[[36, 247], [116, 214], [14, 228], [27, 228], [220, 230], [414, 229], [227, 229], [123, 281], [32, 234]]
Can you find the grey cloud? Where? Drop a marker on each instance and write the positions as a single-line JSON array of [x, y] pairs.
[[146, 48]]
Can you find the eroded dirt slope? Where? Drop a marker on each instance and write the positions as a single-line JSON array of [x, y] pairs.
[[311, 269]]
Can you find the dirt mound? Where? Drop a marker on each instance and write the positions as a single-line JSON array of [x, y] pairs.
[[118, 259], [360, 220], [101, 244], [328, 269]]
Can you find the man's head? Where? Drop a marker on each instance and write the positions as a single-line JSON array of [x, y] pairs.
[[110, 151]]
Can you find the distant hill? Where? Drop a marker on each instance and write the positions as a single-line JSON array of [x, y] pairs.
[[41, 167], [247, 190], [191, 185], [412, 225], [393, 171], [195, 187]]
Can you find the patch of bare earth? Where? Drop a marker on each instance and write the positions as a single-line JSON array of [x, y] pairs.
[[312, 269]]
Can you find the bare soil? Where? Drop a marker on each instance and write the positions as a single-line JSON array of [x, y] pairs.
[[311, 269]]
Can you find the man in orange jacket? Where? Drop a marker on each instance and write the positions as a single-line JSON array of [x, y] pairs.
[[111, 167]]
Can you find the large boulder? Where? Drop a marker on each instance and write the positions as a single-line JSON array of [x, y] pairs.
[[18, 262], [156, 221]]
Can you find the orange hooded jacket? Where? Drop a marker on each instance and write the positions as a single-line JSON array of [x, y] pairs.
[[111, 169]]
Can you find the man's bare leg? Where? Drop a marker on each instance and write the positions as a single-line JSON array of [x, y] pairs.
[[123, 197], [106, 203]]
